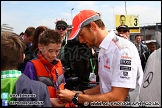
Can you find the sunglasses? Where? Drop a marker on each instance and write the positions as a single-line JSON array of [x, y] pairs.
[[122, 31], [59, 28]]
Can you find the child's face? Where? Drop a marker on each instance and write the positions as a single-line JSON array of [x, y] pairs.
[[50, 51]]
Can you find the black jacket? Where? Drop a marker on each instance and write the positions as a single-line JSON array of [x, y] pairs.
[[77, 58], [144, 58]]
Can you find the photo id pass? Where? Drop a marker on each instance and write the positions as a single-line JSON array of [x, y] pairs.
[[92, 77]]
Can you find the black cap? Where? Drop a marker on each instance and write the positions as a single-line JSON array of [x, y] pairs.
[[61, 23], [123, 26]]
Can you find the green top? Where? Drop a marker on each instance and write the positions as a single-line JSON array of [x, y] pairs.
[[8, 81]]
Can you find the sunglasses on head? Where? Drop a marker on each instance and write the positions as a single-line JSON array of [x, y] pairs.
[[59, 28], [122, 31]]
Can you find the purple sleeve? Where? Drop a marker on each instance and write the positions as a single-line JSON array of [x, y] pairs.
[[30, 71]]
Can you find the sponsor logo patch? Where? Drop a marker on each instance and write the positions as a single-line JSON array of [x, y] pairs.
[[126, 56], [125, 73], [125, 62], [105, 66], [126, 68], [125, 76]]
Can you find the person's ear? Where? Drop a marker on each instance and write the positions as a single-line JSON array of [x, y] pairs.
[[40, 47], [93, 26], [25, 35], [23, 57]]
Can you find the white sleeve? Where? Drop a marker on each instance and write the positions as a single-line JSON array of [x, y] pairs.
[[125, 67]]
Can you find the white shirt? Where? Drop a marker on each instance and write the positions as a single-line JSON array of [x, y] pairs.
[[119, 64], [151, 85]]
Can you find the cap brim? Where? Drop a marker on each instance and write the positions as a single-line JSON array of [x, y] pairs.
[[122, 27], [74, 33]]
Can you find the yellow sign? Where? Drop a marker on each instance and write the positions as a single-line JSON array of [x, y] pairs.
[[132, 21]]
